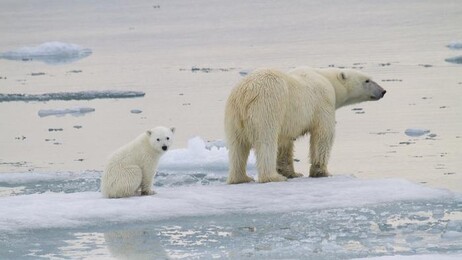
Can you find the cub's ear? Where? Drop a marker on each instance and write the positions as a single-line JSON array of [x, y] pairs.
[[148, 132], [342, 76], [172, 129]]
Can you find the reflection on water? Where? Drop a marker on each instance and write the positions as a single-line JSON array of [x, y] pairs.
[[425, 227]]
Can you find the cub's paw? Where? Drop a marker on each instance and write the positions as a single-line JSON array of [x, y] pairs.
[[148, 193]]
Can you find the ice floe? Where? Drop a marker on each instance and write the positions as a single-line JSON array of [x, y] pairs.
[[81, 95], [57, 209], [49, 52], [455, 45]]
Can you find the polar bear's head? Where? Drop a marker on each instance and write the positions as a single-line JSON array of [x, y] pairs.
[[161, 138], [359, 87]]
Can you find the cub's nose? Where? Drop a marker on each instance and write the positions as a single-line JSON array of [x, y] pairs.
[[383, 93], [164, 148]]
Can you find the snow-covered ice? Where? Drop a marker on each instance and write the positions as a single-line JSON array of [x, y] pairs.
[[75, 111], [49, 52], [199, 154], [56, 209]]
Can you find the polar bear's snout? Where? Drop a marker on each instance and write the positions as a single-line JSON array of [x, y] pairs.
[[377, 91], [164, 147]]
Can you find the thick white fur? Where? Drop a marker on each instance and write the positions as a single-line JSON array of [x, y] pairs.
[[269, 109], [133, 166]]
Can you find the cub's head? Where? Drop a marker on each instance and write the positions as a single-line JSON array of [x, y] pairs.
[[161, 138], [359, 87]]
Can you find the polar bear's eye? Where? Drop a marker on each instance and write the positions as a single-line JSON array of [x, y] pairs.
[[367, 81], [158, 140], [168, 138]]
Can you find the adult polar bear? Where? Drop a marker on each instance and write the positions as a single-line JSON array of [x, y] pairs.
[[269, 109]]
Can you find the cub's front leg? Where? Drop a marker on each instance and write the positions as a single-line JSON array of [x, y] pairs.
[[146, 183]]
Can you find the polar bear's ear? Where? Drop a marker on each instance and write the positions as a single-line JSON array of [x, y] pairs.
[[172, 129], [342, 76], [148, 132]]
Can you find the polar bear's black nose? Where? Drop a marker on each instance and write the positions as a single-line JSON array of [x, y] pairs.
[[383, 93], [164, 148]]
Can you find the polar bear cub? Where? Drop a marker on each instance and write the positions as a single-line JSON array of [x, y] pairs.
[[133, 166]]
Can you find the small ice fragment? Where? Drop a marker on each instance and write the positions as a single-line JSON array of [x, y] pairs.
[[217, 144], [455, 45], [49, 52], [456, 60], [76, 111], [136, 111], [244, 72], [415, 132]]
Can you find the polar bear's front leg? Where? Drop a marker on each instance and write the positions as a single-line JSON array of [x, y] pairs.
[[321, 140]]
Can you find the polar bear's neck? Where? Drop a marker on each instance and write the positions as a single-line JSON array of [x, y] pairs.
[[341, 95]]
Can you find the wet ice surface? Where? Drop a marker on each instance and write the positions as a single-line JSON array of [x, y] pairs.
[[195, 215], [48, 52]]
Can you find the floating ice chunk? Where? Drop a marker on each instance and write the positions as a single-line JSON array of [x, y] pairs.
[[76, 111], [199, 155], [49, 52], [136, 111], [82, 95], [244, 73], [455, 45], [415, 132], [456, 60]]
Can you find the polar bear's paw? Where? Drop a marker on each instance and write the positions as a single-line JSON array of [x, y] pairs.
[[291, 175], [316, 172], [243, 179], [276, 177]]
